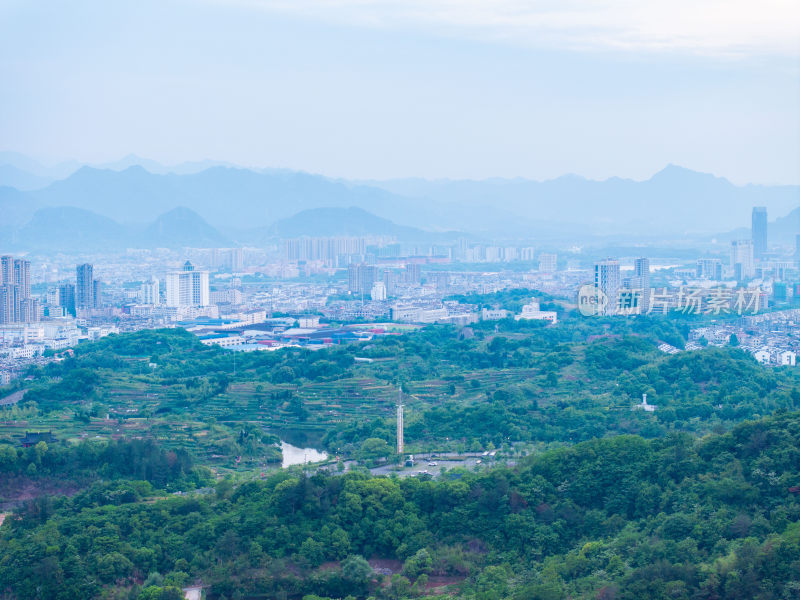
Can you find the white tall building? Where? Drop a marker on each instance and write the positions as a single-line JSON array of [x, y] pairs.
[[607, 280], [149, 292], [187, 287], [378, 291], [742, 259], [641, 281]]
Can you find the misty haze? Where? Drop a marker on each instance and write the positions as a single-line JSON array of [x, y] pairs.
[[399, 300]]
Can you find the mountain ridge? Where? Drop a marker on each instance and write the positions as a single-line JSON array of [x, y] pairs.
[[674, 201]]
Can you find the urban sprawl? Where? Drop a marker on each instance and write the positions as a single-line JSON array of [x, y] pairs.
[[314, 292]]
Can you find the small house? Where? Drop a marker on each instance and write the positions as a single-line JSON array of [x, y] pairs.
[[31, 439]]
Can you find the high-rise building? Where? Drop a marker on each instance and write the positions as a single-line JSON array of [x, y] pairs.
[[149, 292], [641, 281], [22, 277], [607, 280], [29, 310], [97, 293], [328, 250], [237, 260], [548, 262], [390, 281], [442, 282], [66, 297], [9, 303], [84, 286], [15, 290], [360, 278], [759, 231], [6, 269], [510, 253], [526, 254], [492, 254], [187, 287], [413, 274], [709, 268], [742, 263]]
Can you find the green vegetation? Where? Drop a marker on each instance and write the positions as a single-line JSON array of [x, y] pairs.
[[621, 517], [509, 382], [605, 501]]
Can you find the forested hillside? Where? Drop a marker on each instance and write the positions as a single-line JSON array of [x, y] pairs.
[[163, 471], [623, 517]]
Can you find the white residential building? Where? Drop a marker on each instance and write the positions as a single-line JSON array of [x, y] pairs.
[[187, 287], [742, 263], [378, 292], [607, 280], [762, 356], [229, 296], [308, 322], [150, 292], [787, 358], [26, 351]]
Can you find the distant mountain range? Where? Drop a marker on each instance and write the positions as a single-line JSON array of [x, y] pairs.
[[344, 221], [675, 199], [247, 205], [66, 228]]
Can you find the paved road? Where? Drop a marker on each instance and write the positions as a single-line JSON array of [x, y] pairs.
[[447, 461]]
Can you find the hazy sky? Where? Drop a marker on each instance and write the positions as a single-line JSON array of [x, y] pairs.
[[433, 88]]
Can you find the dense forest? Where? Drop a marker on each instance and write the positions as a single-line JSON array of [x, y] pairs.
[[622, 517], [162, 471]]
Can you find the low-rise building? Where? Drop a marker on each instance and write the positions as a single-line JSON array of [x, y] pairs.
[[532, 311], [221, 339], [493, 314], [763, 356]]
